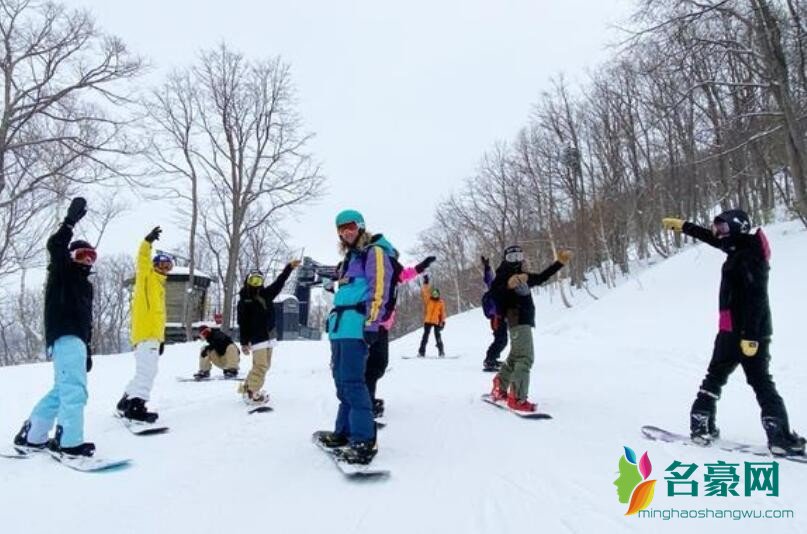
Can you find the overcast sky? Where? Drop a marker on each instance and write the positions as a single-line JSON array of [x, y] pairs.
[[404, 97]]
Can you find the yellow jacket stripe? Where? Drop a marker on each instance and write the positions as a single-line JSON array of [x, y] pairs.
[[378, 291]]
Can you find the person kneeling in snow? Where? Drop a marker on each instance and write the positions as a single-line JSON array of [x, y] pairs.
[[744, 330], [220, 351], [511, 291]]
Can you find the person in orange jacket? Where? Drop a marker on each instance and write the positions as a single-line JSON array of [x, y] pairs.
[[434, 316]]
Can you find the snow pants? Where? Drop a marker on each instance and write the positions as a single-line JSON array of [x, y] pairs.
[[147, 356], [499, 327], [515, 372], [66, 400], [261, 361], [348, 365], [377, 361], [427, 328], [725, 359], [229, 361]]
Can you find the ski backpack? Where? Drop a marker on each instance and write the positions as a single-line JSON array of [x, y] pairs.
[[489, 305], [392, 291]]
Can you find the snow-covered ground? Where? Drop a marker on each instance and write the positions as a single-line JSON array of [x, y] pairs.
[[605, 367]]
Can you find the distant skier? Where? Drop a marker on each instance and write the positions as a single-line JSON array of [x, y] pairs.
[[434, 316], [378, 358], [220, 351], [366, 281], [68, 330], [498, 324], [148, 328], [256, 324], [744, 330], [511, 291]]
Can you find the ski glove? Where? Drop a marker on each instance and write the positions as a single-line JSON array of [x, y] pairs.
[[564, 256], [485, 262], [671, 223], [425, 278], [749, 348], [422, 266], [154, 235], [88, 362], [77, 210]]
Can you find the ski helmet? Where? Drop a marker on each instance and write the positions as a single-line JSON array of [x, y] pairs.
[[435, 293], [82, 252], [731, 223], [255, 278], [162, 262], [204, 332], [513, 255]]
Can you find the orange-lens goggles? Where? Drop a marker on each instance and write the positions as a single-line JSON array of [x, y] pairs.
[[84, 255], [347, 227]]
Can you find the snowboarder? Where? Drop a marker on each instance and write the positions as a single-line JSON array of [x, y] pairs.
[[366, 283], [498, 324], [148, 328], [256, 323], [434, 316], [511, 291], [68, 330], [220, 351], [744, 330], [378, 357]]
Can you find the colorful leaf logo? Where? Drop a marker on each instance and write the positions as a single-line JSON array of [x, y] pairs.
[[641, 497]]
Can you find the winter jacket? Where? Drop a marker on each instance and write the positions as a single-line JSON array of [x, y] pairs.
[[365, 284], [148, 299], [68, 292], [518, 309], [743, 300], [255, 312], [218, 341], [434, 308]]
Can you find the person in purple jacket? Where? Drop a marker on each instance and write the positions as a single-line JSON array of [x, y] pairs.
[[498, 324]]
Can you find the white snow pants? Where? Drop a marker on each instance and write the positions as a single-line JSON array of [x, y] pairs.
[[147, 355]]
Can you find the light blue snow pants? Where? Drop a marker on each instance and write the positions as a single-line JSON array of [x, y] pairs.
[[68, 397]]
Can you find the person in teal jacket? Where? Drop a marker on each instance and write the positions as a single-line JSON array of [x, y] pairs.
[[365, 292]]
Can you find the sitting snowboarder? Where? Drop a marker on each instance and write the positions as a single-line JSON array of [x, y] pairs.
[[220, 351]]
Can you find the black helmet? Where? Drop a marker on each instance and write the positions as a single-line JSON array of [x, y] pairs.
[[513, 255], [737, 220]]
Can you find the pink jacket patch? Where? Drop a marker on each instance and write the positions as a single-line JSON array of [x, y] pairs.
[[724, 324]]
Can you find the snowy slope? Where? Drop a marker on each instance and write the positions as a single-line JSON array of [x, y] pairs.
[[603, 368]]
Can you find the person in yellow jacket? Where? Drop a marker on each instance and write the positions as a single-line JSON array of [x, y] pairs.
[[148, 328], [434, 316]]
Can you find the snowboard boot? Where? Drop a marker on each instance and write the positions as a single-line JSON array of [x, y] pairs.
[[331, 440], [378, 408], [522, 405], [781, 441], [21, 439], [257, 398], [123, 405], [490, 366], [360, 452], [85, 450], [136, 411], [421, 354], [231, 373], [497, 393], [201, 375], [441, 353], [702, 428]]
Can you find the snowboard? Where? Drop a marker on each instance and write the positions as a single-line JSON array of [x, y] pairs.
[[259, 409], [654, 433], [211, 379], [416, 357], [140, 428], [352, 471], [16, 452], [91, 464], [524, 415]]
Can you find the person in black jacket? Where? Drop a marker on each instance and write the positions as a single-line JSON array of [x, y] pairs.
[[68, 330], [511, 292], [744, 330], [256, 323], [220, 351]]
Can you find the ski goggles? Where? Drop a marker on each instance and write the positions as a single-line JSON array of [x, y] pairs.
[[163, 262], [351, 226], [515, 256], [86, 256], [720, 229], [255, 280]]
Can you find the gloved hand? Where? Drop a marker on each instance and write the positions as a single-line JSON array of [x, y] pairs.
[[422, 266], [517, 280], [88, 362], [154, 235], [76, 210], [370, 337], [328, 285], [294, 263], [425, 278], [671, 223], [485, 262], [441, 325], [564, 256], [246, 349], [749, 348]]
